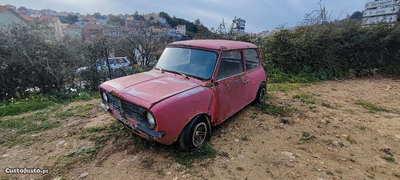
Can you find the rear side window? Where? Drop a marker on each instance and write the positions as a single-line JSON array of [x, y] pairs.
[[252, 60], [101, 63], [120, 61], [231, 64], [111, 61]]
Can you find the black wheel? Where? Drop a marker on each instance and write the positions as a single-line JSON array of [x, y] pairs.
[[119, 73], [262, 91], [195, 134]]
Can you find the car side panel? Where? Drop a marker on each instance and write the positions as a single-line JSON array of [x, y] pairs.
[[174, 113], [256, 76]]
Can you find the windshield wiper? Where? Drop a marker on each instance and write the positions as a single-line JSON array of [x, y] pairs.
[[184, 75], [159, 69]]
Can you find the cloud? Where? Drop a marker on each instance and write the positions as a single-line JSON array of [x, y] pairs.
[[260, 14], [206, 15]]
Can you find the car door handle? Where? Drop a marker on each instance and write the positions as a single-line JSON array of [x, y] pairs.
[[246, 81]]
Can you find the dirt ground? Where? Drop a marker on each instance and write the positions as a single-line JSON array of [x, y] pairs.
[[333, 136]]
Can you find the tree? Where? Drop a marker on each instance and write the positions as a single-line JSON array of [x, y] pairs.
[[165, 15], [197, 22], [72, 19], [115, 20], [30, 60], [356, 15], [97, 15], [316, 17], [142, 46]]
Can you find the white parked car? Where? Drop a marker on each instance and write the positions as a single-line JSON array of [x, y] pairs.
[[115, 63]]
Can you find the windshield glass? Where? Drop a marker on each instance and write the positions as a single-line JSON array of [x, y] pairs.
[[191, 62]]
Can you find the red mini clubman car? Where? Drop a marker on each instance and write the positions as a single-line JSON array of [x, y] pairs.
[[196, 84]]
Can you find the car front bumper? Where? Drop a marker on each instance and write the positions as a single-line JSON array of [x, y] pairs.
[[133, 125]]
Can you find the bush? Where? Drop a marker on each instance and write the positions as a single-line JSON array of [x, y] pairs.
[[331, 50]]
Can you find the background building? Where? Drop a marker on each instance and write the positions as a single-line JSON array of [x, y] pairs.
[[9, 17]]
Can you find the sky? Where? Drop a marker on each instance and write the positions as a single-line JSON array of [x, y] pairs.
[[260, 15]]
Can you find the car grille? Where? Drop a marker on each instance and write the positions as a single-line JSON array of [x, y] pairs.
[[126, 108]]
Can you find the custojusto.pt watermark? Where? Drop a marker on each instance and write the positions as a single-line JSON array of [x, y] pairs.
[[25, 171]]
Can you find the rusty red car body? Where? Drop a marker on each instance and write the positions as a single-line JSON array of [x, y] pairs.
[[174, 100]]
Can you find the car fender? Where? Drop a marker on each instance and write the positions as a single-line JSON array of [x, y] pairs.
[[174, 113]]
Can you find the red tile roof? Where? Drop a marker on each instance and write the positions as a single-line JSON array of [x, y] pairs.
[[26, 17], [73, 26], [89, 18], [5, 8], [48, 18]]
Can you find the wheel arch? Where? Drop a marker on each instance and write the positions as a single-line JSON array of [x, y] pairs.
[[197, 117]]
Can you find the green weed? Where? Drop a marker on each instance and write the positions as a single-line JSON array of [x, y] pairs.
[[187, 158], [306, 98], [370, 106], [389, 159], [30, 124], [307, 137], [147, 162], [285, 87], [224, 154], [275, 110], [36, 102], [350, 140], [327, 105]]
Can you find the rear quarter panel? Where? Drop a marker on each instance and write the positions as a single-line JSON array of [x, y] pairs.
[[256, 76]]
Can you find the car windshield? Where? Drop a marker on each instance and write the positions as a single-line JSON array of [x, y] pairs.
[[191, 62]]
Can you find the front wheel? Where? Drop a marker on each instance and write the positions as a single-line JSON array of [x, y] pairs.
[[262, 91], [194, 135]]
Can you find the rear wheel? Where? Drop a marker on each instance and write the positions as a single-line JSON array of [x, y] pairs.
[[119, 73], [195, 134], [262, 91]]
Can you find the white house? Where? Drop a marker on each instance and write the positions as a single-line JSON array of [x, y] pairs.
[[181, 29]]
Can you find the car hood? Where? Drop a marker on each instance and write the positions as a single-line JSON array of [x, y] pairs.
[[148, 88]]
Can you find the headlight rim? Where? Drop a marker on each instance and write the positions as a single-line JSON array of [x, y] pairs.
[[151, 126], [104, 96]]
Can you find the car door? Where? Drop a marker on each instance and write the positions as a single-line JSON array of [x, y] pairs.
[[230, 87], [255, 74], [113, 64]]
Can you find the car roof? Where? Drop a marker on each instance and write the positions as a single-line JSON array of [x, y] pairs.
[[213, 44], [116, 57]]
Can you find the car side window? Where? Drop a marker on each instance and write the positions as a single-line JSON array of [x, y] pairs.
[[231, 64], [101, 63], [252, 60], [111, 61]]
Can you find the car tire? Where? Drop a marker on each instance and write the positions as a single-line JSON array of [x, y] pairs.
[[262, 91], [119, 73], [195, 134]]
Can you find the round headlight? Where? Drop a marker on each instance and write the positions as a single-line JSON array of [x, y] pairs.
[[105, 98], [151, 120]]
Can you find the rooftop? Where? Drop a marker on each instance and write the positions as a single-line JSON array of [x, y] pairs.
[[73, 26], [4, 8], [48, 18], [26, 17], [214, 44], [89, 18]]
